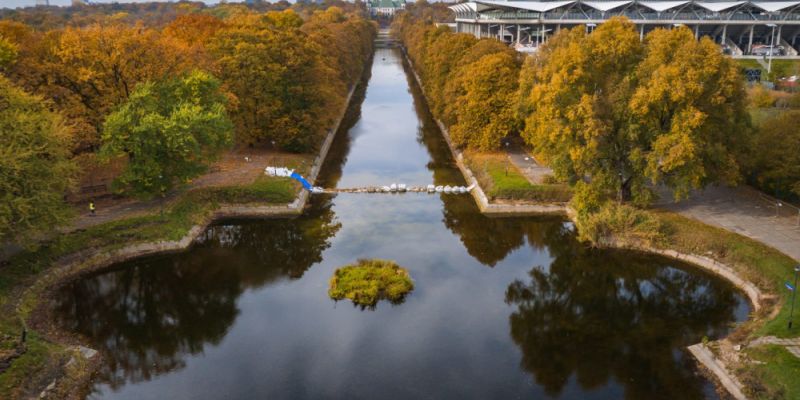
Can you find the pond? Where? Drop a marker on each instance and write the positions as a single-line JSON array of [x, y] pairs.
[[502, 307]]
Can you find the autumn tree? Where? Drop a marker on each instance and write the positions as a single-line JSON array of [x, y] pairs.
[[470, 84], [618, 115], [485, 105], [98, 67], [35, 169], [169, 131], [8, 52], [282, 85], [774, 162], [194, 29]]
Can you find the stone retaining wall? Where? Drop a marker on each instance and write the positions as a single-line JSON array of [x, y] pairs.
[[701, 354], [496, 210]]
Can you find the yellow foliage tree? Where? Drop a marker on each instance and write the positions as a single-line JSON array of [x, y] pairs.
[[619, 115]]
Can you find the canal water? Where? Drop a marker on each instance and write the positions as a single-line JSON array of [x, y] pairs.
[[502, 309]]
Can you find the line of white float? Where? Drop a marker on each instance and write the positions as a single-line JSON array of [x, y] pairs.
[[393, 188]]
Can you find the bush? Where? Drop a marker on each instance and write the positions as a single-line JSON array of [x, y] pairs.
[[621, 223], [368, 281], [761, 97]]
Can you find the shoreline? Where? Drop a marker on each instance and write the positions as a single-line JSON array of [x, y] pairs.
[[72, 266], [723, 378], [97, 260]]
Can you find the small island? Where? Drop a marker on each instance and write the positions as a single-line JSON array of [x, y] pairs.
[[368, 281]]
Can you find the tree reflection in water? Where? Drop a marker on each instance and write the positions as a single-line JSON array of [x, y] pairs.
[[609, 316], [147, 315]]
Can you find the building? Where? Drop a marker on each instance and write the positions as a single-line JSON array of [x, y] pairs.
[[385, 7], [740, 27]]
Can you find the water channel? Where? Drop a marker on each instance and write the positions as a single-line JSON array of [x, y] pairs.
[[502, 309]]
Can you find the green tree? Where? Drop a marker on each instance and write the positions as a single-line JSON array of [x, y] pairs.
[[169, 131], [775, 161], [35, 169], [616, 114], [8, 52]]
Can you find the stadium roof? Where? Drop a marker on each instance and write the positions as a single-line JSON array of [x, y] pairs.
[[606, 5]]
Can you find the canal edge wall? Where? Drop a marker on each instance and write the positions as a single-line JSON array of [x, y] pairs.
[[88, 261], [702, 355], [486, 207], [83, 262]]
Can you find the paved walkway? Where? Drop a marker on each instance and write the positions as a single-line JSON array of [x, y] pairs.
[[742, 210], [745, 211], [792, 345], [527, 165]]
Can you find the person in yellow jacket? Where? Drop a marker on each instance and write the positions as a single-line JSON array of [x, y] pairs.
[[91, 207]]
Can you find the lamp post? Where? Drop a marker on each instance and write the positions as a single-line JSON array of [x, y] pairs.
[[771, 47], [794, 294]]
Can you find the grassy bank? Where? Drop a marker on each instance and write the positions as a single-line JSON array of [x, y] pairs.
[[758, 263], [501, 180], [773, 375], [780, 68], [180, 215]]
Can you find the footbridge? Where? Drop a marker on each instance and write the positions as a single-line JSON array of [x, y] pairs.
[[391, 188]]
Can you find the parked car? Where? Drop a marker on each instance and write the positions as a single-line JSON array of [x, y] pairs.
[[764, 50]]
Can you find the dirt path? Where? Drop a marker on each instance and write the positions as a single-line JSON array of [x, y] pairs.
[[234, 168]]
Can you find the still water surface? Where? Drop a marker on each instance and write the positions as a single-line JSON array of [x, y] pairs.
[[502, 309]]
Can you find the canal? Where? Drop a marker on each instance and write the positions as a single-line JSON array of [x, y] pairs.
[[502, 308]]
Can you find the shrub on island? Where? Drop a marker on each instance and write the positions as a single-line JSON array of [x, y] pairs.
[[368, 281]]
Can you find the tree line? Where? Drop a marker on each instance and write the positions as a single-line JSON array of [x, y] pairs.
[[166, 98], [611, 114]]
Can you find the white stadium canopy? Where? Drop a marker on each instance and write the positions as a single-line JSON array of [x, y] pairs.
[[607, 5], [538, 6], [718, 6]]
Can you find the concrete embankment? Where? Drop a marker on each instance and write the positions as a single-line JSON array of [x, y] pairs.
[[485, 206], [705, 358]]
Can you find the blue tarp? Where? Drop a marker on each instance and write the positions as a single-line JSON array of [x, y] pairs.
[[302, 180]]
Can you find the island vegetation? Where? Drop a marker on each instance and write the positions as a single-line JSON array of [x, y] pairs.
[[370, 280]]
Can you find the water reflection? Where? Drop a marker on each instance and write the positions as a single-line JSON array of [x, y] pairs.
[[612, 317], [245, 313], [148, 315]]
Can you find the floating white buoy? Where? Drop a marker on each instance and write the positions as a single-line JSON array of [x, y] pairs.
[[461, 189], [386, 189], [431, 188], [316, 189], [447, 189], [270, 171], [439, 188], [393, 187], [401, 187]]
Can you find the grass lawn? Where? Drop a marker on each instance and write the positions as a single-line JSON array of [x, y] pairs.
[[501, 179], [777, 376], [758, 263], [780, 68], [189, 209], [760, 115]]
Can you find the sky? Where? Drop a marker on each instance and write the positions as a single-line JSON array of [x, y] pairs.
[[26, 3]]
